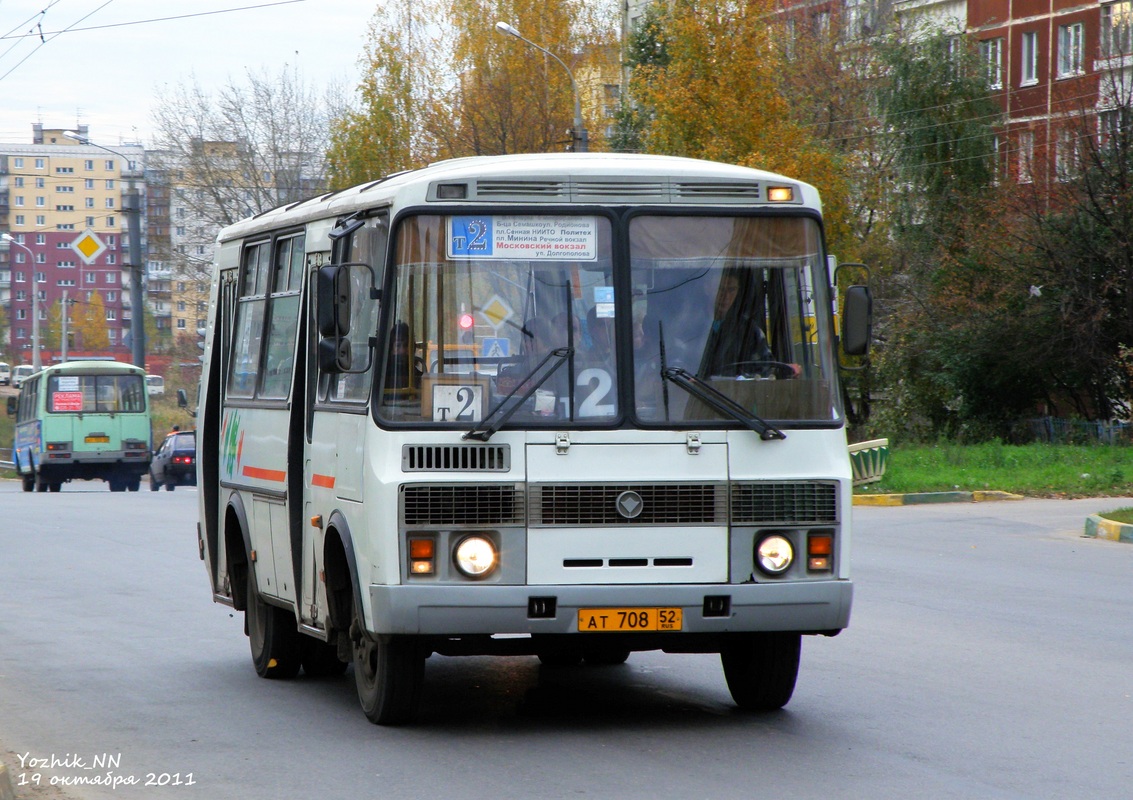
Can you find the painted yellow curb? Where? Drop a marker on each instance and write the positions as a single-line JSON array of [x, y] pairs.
[[926, 498], [1100, 528]]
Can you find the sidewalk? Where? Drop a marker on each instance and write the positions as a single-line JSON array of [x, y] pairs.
[[1097, 527]]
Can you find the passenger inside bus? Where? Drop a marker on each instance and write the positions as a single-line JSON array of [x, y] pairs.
[[400, 361]]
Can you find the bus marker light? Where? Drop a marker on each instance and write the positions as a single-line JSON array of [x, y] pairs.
[[780, 194], [317, 521]]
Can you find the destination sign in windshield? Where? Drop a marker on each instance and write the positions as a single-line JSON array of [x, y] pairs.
[[526, 238]]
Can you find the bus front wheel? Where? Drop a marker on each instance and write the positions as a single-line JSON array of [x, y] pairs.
[[761, 669], [388, 674], [272, 635]]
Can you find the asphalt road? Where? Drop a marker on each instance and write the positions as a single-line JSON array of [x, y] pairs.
[[988, 657]]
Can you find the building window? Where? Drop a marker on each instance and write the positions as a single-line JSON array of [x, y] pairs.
[[88, 183], [111, 314], [1030, 59], [112, 297], [1070, 49], [39, 163], [110, 202], [40, 183], [19, 219], [19, 183], [1117, 29], [64, 170], [67, 189], [90, 277], [41, 238], [992, 52], [1066, 155], [110, 167], [181, 324], [19, 200], [110, 183], [1112, 124], [40, 219], [18, 163], [88, 165], [112, 277], [40, 202], [90, 202]]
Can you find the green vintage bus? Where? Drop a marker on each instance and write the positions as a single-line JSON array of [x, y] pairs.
[[82, 420]]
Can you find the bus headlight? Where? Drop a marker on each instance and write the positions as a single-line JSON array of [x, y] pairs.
[[774, 555], [475, 556]]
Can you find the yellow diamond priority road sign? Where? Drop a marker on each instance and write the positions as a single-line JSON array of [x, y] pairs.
[[88, 246]]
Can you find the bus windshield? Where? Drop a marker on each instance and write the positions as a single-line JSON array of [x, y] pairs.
[[516, 316], [728, 304], [95, 394], [501, 309]]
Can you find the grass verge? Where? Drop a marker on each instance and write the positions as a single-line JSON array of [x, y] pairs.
[[1036, 470]]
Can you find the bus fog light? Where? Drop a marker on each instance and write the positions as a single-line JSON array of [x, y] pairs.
[[774, 555], [475, 556]]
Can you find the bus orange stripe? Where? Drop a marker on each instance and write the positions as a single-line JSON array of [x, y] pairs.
[[265, 474], [325, 481]]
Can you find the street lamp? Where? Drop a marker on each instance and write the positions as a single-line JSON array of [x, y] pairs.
[[35, 359], [131, 207], [579, 132]]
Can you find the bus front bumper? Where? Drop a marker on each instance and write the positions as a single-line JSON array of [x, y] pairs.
[[803, 606]]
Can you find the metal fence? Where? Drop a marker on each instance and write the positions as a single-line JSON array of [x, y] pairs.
[[6, 462], [1076, 431]]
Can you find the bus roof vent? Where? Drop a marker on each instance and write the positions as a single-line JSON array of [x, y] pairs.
[[455, 458], [626, 189], [717, 191], [771, 503], [543, 190]]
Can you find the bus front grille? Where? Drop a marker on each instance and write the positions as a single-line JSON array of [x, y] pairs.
[[767, 503], [598, 504], [437, 505]]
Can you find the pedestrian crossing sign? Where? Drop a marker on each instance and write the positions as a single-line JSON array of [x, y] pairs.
[[493, 347]]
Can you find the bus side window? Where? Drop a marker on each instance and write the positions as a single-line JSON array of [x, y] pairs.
[[249, 321]]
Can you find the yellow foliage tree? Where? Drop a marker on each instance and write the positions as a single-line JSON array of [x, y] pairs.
[[717, 95], [89, 321]]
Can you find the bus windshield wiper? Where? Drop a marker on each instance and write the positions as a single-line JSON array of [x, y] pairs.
[[721, 402], [484, 432]]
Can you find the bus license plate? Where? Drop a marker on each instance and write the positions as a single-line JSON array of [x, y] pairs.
[[623, 620], [97, 440]]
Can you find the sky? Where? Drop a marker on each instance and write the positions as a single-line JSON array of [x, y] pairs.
[[105, 63]]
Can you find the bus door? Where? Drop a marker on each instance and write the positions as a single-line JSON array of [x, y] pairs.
[[258, 456], [338, 401]]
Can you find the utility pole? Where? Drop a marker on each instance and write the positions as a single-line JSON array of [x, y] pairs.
[[36, 363], [63, 342], [132, 208]]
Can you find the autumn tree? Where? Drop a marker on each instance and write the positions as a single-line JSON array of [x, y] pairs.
[[89, 322], [441, 82]]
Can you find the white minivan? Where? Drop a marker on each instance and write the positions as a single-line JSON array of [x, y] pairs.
[[21, 373], [155, 385], [5, 374]]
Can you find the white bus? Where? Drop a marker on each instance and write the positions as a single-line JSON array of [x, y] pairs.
[[569, 406]]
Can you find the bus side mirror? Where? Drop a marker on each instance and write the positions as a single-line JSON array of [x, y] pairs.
[[11, 406], [182, 399], [857, 320], [332, 291], [335, 354]]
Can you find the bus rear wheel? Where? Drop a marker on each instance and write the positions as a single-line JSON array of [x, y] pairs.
[[388, 674], [761, 669], [272, 635]]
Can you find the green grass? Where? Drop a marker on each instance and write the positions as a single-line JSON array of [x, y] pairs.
[[1035, 470], [1122, 515]]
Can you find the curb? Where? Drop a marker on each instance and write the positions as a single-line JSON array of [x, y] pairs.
[[6, 790], [924, 498], [1100, 528]]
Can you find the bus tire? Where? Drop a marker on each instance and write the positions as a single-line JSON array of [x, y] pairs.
[[40, 485], [272, 635], [134, 483], [170, 486], [54, 487], [761, 669], [388, 674], [320, 660], [117, 484], [29, 483]]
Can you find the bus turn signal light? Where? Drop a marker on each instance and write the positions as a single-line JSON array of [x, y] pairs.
[[422, 556], [820, 547]]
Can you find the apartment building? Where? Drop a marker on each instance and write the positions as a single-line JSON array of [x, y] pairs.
[[63, 204]]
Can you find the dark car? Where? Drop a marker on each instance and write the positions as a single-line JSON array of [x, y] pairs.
[[175, 462]]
